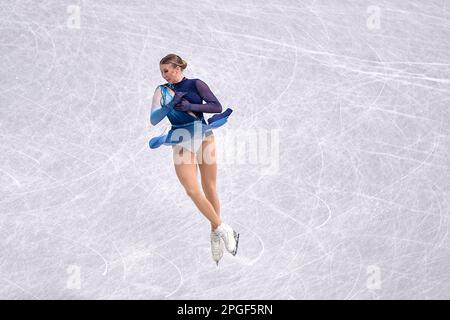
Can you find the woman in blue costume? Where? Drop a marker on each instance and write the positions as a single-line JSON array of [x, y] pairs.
[[192, 140]]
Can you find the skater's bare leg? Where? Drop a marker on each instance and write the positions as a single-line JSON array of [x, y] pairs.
[[187, 174], [208, 171]]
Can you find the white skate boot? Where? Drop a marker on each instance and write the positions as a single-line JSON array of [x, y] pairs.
[[229, 236], [216, 247]]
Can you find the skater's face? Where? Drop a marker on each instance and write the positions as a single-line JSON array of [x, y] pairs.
[[169, 73]]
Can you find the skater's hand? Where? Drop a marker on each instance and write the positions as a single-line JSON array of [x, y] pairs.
[[177, 97], [184, 105]]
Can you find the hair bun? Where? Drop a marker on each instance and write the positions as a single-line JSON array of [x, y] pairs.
[[175, 60]]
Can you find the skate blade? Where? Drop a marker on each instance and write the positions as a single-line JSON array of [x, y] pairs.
[[236, 237]]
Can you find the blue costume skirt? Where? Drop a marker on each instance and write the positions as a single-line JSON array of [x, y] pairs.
[[190, 134]]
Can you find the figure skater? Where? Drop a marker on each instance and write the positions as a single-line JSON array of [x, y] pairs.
[[181, 100]]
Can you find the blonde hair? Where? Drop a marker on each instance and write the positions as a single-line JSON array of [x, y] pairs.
[[175, 60]]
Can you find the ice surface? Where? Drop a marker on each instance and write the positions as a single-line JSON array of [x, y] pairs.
[[352, 203]]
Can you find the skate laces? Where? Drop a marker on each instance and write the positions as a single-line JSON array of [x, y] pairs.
[[215, 238], [215, 244]]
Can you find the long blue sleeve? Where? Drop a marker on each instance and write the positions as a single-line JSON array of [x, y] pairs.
[[212, 104], [160, 108], [157, 115]]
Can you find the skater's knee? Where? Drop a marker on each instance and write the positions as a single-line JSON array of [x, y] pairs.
[[192, 192], [209, 187]]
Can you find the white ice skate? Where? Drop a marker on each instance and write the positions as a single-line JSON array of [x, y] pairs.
[[216, 247], [229, 237]]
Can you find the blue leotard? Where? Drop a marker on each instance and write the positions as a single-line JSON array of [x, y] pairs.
[[184, 125]]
